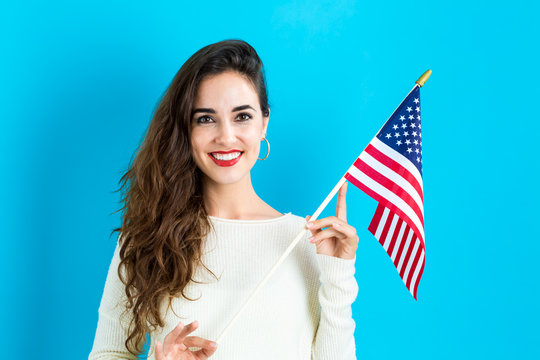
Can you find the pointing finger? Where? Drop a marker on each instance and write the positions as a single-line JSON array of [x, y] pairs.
[[341, 207]]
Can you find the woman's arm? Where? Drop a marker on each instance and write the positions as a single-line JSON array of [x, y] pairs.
[[111, 332], [334, 338]]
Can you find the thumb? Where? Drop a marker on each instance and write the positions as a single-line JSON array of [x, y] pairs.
[[307, 219]]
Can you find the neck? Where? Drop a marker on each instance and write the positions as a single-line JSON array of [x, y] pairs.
[[231, 201]]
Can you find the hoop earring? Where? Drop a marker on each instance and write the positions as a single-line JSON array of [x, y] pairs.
[[264, 138]]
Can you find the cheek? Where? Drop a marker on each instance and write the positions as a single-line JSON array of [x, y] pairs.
[[252, 139], [197, 141]]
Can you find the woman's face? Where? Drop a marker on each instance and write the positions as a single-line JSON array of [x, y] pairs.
[[226, 116]]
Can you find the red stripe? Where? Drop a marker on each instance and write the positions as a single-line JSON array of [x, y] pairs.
[[393, 208], [394, 165], [402, 245], [376, 219], [394, 237], [386, 228], [413, 267], [390, 185], [419, 276], [407, 256]]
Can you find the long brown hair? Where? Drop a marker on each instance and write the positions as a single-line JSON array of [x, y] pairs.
[[164, 219]]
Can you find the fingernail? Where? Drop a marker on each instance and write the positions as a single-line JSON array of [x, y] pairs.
[[336, 224], [310, 238], [213, 344], [310, 224]]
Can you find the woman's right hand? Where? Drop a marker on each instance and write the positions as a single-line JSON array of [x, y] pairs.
[[176, 343]]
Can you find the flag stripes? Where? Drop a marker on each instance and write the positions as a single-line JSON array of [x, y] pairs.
[[401, 244], [385, 196]]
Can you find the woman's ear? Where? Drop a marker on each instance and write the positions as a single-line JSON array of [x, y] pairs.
[[266, 119]]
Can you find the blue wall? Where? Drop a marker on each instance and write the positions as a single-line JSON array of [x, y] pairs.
[[79, 83]]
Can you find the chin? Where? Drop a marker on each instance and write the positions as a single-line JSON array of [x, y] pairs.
[[225, 180]]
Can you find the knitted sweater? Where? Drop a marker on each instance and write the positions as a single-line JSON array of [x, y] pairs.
[[303, 312]]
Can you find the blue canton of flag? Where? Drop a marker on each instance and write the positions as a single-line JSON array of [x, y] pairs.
[[402, 132]]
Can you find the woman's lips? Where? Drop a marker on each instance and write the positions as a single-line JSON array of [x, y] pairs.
[[226, 162]]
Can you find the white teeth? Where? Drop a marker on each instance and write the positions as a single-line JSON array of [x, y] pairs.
[[226, 156]]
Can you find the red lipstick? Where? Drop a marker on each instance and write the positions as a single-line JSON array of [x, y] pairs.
[[226, 162]]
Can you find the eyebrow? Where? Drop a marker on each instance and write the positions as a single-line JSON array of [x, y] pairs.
[[212, 111]]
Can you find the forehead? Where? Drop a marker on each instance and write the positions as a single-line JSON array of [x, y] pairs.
[[226, 89]]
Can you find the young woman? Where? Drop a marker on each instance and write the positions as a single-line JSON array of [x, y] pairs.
[[196, 239]]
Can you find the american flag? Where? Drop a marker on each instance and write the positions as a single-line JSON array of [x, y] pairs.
[[390, 171]]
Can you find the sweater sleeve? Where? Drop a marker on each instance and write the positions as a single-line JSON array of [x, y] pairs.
[[334, 338], [112, 328]]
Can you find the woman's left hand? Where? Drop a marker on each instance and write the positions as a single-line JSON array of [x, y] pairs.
[[339, 239]]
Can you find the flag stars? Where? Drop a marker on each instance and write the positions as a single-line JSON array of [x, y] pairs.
[[405, 135]]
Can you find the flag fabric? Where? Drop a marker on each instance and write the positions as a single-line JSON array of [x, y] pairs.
[[390, 171]]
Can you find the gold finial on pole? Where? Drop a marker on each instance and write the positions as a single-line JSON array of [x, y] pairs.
[[422, 79]]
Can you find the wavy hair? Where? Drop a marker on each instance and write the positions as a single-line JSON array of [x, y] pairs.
[[164, 219]]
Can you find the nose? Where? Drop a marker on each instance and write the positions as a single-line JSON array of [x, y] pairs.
[[225, 134]]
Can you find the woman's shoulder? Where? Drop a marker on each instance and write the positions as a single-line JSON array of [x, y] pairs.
[[297, 218]]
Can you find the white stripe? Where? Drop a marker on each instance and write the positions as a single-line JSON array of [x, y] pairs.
[[417, 271], [405, 249], [395, 177], [398, 240], [410, 261], [402, 160], [390, 232], [384, 218], [387, 194]]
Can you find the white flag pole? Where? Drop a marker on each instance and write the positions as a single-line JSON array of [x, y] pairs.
[[420, 82]]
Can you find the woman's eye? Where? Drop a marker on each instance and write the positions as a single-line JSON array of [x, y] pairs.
[[245, 118], [201, 118]]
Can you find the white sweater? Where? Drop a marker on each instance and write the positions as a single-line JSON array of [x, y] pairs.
[[303, 312]]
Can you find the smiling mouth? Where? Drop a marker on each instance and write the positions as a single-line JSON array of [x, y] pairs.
[[226, 157]]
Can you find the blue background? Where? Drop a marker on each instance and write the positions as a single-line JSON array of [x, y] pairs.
[[79, 83]]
